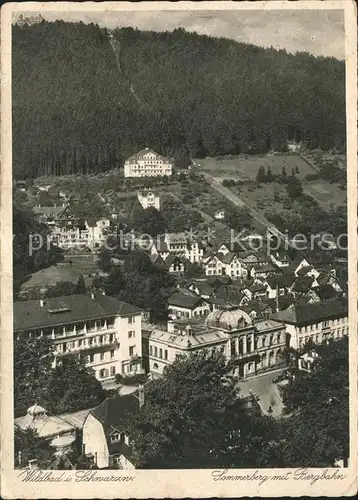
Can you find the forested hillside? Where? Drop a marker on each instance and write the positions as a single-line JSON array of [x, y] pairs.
[[83, 103]]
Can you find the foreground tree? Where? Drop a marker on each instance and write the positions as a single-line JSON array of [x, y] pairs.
[[194, 415], [28, 445], [71, 386], [316, 432], [68, 387]]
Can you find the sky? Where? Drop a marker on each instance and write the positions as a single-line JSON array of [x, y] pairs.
[[320, 32]]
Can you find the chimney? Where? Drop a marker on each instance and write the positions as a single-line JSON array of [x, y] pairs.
[[188, 330], [170, 326], [141, 395], [33, 464]]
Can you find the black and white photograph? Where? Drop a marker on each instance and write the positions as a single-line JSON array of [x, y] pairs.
[[180, 191]]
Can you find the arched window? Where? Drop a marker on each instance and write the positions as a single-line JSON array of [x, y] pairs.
[[155, 366]]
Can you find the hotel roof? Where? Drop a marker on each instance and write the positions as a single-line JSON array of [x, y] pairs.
[[68, 309], [305, 314]]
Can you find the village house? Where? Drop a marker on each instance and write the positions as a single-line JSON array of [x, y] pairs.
[[105, 431], [187, 306], [148, 199], [176, 264], [219, 215], [224, 263], [280, 259], [202, 288], [254, 347], [278, 285], [315, 322], [147, 163], [69, 230], [102, 330]]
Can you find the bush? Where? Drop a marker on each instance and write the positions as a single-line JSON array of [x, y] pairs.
[[312, 177], [140, 378]]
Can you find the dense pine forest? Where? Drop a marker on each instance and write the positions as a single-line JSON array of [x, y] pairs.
[[84, 99]]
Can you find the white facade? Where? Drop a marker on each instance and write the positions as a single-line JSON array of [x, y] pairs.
[[317, 332], [147, 163], [149, 200], [95, 442], [219, 264], [257, 348], [109, 345], [201, 310]]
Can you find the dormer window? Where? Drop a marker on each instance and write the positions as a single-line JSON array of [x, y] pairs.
[[115, 437]]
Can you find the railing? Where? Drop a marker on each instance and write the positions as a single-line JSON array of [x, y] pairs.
[[86, 347]]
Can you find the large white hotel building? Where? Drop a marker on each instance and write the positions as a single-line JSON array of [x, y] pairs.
[[147, 163], [106, 332]]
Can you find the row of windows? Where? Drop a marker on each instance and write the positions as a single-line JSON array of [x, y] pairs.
[[88, 342], [324, 324], [317, 338], [102, 356], [158, 353], [105, 372]]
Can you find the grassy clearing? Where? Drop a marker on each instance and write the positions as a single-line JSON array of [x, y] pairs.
[[64, 271], [325, 193], [243, 167]]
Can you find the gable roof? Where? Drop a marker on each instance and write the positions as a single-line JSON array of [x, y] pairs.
[[48, 211], [325, 292], [114, 414], [280, 280], [305, 314], [187, 301], [68, 309], [140, 154]]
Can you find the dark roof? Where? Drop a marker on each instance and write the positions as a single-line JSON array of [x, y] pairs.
[[302, 284], [181, 300], [204, 287], [280, 280], [304, 314], [230, 293], [225, 258], [325, 292], [68, 309], [114, 415], [171, 259]]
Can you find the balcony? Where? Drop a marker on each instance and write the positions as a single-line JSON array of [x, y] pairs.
[[86, 347]]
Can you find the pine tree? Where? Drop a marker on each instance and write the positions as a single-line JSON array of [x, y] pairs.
[[81, 285]]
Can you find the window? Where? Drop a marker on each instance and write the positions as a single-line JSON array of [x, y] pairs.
[[325, 324], [131, 320], [279, 338], [156, 352], [113, 371], [131, 334], [110, 337], [263, 341], [151, 350], [91, 358], [131, 350], [115, 437], [165, 354], [112, 353], [101, 356]]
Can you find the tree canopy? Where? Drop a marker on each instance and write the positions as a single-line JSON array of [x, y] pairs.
[[70, 386], [194, 415], [93, 104], [316, 432]]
